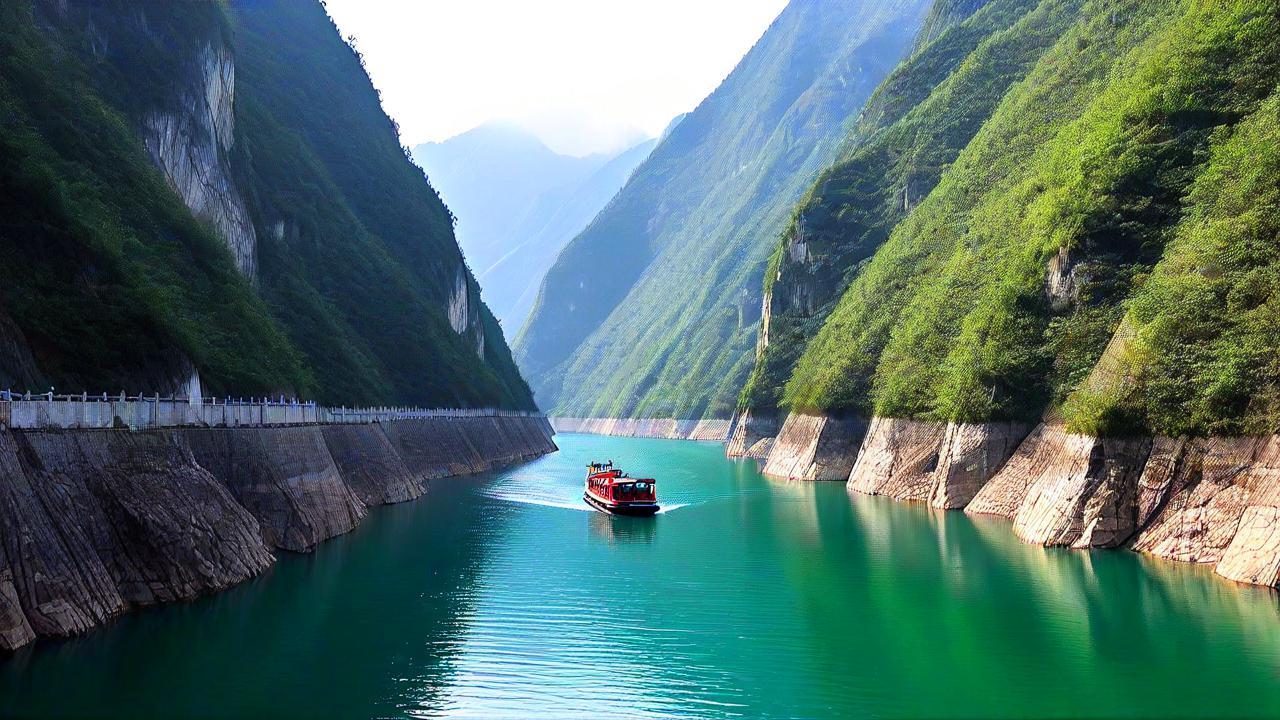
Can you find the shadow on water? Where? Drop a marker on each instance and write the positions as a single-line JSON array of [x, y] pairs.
[[349, 630], [508, 597]]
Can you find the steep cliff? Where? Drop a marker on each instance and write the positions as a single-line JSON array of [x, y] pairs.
[[665, 281], [211, 192], [1091, 252], [96, 522], [912, 129]]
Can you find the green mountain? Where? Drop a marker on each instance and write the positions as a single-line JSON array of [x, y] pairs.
[[211, 193], [908, 134], [1100, 249], [518, 203], [653, 310]]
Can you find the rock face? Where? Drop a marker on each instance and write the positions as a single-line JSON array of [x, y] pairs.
[[95, 522], [943, 464], [665, 428], [898, 458], [189, 142], [1191, 497], [815, 447], [463, 311], [286, 477], [1087, 496], [1066, 489], [970, 455], [753, 431], [1212, 501]]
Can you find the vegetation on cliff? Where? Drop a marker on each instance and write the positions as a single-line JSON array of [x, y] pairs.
[[110, 283], [995, 297], [652, 311], [102, 269], [910, 132]]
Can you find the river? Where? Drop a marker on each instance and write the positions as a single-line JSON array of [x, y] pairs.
[[505, 596]]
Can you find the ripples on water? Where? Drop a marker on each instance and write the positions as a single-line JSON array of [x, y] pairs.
[[508, 597]]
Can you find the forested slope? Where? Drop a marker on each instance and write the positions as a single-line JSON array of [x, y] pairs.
[[653, 310], [996, 296], [200, 192]]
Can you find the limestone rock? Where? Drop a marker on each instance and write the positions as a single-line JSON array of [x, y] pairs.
[[815, 447], [285, 477], [750, 428], [898, 458], [1191, 497], [94, 522], [970, 456], [1083, 492], [370, 465], [189, 141], [1254, 553]]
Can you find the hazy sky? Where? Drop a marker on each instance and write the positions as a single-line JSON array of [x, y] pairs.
[[585, 75]]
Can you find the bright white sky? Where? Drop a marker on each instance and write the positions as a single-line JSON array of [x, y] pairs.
[[584, 75]]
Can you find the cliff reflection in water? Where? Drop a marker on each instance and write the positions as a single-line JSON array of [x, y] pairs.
[[510, 597]]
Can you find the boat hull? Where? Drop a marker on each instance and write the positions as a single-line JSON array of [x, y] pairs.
[[629, 509]]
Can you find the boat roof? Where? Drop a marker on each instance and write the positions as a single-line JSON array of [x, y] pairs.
[[620, 479]]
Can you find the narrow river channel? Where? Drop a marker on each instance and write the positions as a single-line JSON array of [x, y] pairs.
[[505, 596]]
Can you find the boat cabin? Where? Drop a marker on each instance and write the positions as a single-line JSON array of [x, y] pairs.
[[612, 490]]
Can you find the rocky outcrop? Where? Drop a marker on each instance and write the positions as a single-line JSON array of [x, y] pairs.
[[463, 310], [944, 464], [189, 139], [971, 454], [95, 522], [286, 477], [711, 429], [898, 458], [815, 447], [1191, 496], [1087, 496], [752, 432], [370, 465], [1065, 489], [1212, 501]]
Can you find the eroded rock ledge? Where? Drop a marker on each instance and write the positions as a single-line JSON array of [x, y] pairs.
[[665, 428], [96, 522], [752, 434], [1213, 501]]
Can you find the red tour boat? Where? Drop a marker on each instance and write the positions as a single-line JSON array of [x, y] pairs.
[[613, 491]]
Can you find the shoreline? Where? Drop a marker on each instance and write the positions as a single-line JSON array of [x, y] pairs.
[[106, 521]]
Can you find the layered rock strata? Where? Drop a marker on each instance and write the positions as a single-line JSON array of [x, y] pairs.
[[752, 434], [943, 464], [815, 447], [716, 430], [96, 522], [1213, 501]]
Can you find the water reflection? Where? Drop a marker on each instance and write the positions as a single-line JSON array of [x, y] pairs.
[[747, 599], [613, 529], [366, 625]]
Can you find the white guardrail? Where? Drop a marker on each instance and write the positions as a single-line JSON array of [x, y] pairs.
[[50, 411]]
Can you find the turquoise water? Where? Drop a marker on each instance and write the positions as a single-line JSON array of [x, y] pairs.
[[504, 596]]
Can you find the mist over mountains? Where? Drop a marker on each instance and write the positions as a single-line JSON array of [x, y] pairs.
[[518, 202]]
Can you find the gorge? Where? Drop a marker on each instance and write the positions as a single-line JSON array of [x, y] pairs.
[[919, 321], [1036, 279]]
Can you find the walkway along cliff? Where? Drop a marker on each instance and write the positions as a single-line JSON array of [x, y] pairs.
[[96, 521]]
